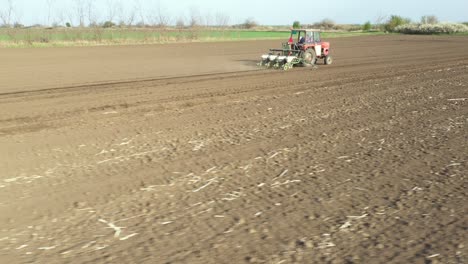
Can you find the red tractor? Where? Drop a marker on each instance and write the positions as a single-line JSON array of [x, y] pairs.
[[304, 48]]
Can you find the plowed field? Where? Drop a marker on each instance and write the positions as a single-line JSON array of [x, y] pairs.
[[187, 153]]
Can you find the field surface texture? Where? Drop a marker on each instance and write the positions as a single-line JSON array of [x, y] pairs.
[[188, 153]]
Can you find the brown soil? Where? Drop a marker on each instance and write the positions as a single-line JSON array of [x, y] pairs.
[[188, 153]]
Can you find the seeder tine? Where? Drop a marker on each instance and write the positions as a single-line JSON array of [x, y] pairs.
[[287, 66], [289, 59], [264, 60], [273, 61], [272, 57]]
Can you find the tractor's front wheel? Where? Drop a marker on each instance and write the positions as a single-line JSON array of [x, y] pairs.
[[309, 58], [328, 60]]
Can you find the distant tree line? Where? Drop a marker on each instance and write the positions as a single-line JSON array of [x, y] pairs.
[[382, 23], [85, 13]]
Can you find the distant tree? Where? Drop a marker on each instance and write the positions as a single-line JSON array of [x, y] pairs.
[[7, 12], [140, 24], [163, 19], [94, 24], [208, 19], [59, 17], [121, 15], [180, 23], [249, 23], [195, 17], [297, 24], [431, 19], [80, 9], [108, 24], [367, 26], [112, 9], [130, 16], [50, 4], [380, 21], [395, 21], [140, 13], [122, 24], [18, 25], [326, 23], [93, 17], [221, 19]]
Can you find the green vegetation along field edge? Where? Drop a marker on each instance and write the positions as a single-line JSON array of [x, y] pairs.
[[40, 37]]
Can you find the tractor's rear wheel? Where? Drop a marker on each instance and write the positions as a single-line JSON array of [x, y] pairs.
[[309, 58], [328, 60]]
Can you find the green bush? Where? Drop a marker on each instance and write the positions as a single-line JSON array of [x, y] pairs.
[[297, 24], [108, 24], [395, 21], [249, 23], [367, 26], [325, 24]]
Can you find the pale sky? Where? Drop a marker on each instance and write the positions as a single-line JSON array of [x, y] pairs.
[[265, 12]]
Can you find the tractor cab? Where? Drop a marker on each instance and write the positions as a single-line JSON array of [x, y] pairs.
[[304, 48], [310, 43], [304, 36]]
